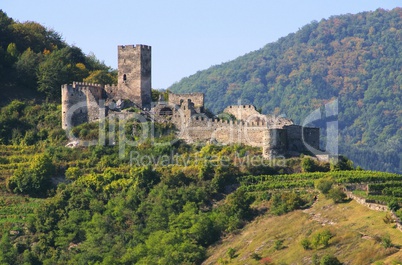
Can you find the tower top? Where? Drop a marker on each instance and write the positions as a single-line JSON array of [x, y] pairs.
[[137, 46]]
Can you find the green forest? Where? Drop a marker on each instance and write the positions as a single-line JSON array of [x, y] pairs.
[[356, 59], [35, 62]]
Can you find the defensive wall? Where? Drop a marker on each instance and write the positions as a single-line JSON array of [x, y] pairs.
[[80, 103], [177, 99]]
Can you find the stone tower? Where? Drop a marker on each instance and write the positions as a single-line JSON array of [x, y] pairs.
[[134, 74]]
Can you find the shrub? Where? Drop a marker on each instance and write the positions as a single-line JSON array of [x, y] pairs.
[[231, 253], [306, 244], [321, 239], [278, 245], [255, 256], [308, 164], [266, 261], [330, 260], [324, 185], [336, 194], [386, 241], [285, 202]]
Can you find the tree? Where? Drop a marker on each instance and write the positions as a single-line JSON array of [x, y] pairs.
[[308, 164], [5, 29], [26, 67], [59, 67], [8, 253], [102, 77], [343, 163]]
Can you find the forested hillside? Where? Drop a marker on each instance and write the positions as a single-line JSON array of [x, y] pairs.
[[354, 58], [35, 62]]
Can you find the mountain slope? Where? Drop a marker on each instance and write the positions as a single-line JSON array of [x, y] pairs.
[[356, 237], [356, 59]]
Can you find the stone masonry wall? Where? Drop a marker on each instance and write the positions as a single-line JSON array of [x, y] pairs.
[[196, 98], [297, 136], [80, 103], [202, 129], [134, 75], [242, 112]]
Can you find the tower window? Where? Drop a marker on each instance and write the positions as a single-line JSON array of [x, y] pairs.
[[124, 77]]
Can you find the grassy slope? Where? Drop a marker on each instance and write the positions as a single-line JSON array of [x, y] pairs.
[[354, 227]]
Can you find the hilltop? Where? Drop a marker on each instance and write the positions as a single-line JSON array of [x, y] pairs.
[[35, 61], [355, 58]]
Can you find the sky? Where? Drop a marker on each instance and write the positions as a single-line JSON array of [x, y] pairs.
[[186, 35]]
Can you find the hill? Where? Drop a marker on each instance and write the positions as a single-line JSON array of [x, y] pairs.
[[111, 211], [356, 59], [35, 61], [355, 233]]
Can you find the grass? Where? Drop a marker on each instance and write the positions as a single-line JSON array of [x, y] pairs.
[[356, 231]]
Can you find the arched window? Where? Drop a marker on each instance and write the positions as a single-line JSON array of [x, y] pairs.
[[124, 77]]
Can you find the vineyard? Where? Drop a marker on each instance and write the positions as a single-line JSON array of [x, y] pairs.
[[381, 187]]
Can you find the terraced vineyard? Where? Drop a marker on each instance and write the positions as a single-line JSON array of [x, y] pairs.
[[12, 157], [387, 186], [14, 209]]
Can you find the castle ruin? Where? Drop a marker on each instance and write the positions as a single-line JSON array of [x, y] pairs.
[[84, 102]]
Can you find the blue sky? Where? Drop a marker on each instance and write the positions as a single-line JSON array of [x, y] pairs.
[[185, 35]]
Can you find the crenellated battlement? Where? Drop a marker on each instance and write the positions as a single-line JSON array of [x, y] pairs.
[[84, 84], [111, 88], [81, 86], [241, 107], [137, 46], [199, 120]]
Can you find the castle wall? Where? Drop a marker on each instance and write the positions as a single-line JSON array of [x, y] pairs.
[[297, 137], [134, 75], [196, 98], [80, 103], [202, 129], [243, 112]]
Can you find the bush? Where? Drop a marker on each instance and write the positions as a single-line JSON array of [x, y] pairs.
[[308, 165], [343, 163], [255, 256], [278, 245], [386, 241], [336, 194], [285, 202], [324, 185], [231, 253], [321, 239], [330, 260], [306, 244]]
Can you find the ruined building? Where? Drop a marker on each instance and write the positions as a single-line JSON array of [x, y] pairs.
[[83, 102]]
